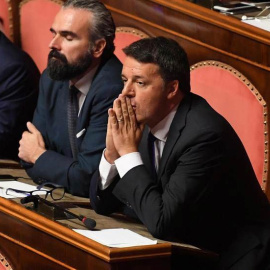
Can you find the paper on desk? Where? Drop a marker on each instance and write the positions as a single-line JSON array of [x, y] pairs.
[[260, 23], [117, 237], [16, 185]]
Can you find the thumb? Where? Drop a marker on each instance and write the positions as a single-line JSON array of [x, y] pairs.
[[31, 127]]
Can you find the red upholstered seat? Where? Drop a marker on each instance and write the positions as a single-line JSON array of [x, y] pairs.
[[4, 16], [36, 20], [234, 97], [125, 36]]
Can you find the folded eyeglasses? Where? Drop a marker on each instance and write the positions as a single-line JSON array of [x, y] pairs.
[[57, 192]]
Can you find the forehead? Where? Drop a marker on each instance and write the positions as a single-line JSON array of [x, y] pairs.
[[73, 20], [132, 67]]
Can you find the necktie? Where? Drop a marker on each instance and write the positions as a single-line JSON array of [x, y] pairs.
[[151, 149], [72, 115]]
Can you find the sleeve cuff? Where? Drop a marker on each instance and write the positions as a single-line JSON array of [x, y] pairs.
[[128, 162], [107, 172]]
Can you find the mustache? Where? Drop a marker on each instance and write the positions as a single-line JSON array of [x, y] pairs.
[[58, 55]]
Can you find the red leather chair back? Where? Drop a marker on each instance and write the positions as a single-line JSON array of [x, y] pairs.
[[36, 18], [234, 97], [124, 36], [4, 263]]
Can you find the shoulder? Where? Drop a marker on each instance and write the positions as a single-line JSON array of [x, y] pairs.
[[16, 60], [203, 115], [108, 78], [110, 70], [198, 120]]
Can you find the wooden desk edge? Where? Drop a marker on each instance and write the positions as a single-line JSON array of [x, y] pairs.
[[105, 253]]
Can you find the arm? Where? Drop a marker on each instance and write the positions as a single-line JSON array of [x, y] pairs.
[[185, 181], [56, 164], [17, 103]]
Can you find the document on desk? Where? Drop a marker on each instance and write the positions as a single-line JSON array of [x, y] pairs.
[[117, 237], [4, 185], [260, 23]]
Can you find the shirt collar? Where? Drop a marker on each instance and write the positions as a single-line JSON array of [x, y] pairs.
[[160, 131], [84, 84]]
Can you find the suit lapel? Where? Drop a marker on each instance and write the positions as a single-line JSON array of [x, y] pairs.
[[175, 130]]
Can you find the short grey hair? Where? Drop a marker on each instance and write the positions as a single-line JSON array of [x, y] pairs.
[[102, 25]]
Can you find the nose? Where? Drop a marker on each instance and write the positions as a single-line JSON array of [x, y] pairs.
[[55, 43], [128, 90]]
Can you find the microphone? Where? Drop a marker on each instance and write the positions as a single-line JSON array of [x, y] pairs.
[[88, 222]]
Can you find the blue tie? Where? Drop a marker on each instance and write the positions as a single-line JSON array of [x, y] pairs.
[[72, 115], [151, 149]]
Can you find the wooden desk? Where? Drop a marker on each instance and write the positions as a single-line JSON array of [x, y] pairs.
[[32, 241]]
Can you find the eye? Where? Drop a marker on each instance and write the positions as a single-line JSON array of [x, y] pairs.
[[140, 83], [124, 80], [69, 38]]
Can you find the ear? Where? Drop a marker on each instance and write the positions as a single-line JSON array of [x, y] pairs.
[[172, 89], [99, 47]]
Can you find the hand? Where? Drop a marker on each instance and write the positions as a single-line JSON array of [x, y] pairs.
[[126, 131], [111, 153], [32, 145]]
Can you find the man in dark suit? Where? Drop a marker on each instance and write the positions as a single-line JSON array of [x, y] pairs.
[[82, 56], [194, 183], [19, 79]]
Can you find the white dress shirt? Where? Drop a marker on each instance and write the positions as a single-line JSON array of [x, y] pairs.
[[125, 163], [83, 85]]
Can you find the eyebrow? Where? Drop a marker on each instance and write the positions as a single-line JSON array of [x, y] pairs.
[[135, 77]]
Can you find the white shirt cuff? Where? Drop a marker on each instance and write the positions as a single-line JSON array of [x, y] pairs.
[[107, 172], [128, 162]]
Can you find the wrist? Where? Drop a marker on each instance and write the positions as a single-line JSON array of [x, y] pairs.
[[128, 151], [37, 155], [110, 157]]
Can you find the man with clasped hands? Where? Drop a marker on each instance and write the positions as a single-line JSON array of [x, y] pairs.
[[201, 188], [82, 56]]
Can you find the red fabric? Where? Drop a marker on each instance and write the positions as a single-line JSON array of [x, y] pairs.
[[4, 16], [121, 41], [36, 19], [234, 100]]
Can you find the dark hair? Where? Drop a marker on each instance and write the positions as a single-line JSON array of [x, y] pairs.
[[167, 54], [102, 25]]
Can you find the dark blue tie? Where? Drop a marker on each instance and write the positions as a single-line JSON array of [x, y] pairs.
[[72, 115], [151, 149]]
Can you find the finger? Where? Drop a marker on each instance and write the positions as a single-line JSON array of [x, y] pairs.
[[131, 113], [118, 110], [124, 108], [112, 119], [31, 127]]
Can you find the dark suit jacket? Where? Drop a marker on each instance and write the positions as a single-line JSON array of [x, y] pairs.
[[19, 79], [57, 164], [206, 189]]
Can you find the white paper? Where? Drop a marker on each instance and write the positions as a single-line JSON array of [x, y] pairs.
[[260, 23], [17, 185], [117, 237]]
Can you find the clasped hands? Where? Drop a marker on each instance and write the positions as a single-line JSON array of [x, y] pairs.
[[123, 132], [32, 145]]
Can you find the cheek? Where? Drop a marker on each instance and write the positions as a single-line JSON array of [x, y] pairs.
[[74, 52]]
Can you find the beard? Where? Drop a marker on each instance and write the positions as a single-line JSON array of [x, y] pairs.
[[60, 69]]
